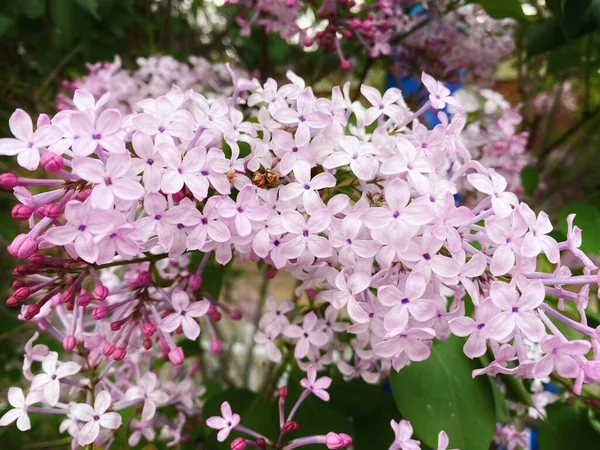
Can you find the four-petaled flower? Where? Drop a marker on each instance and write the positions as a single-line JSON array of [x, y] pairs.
[[95, 417], [225, 424], [184, 315]]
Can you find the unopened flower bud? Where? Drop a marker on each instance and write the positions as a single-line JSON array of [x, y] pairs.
[[148, 329], [8, 180], [108, 349], [178, 196], [271, 273], [100, 312], [216, 346], [236, 314], [11, 302], [23, 246], [51, 210], [83, 195], [21, 212], [36, 259], [195, 282], [84, 299], [147, 343], [119, 354], [100, 292], [290, 426], [21, 293], [261, 443], [144, 278], [176, 355], [346, 65], [51, 162], [238, 444], [116, 325], [31, 311], [337, 441], [283, 391], [69, 343]]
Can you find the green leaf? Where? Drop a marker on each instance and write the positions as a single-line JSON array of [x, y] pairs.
[[567, 427], [502, 9], [588, 219], [32, 9], [440, 394], [6, 23], [516, 389], [91, 6], [544, 36], [529, 179]]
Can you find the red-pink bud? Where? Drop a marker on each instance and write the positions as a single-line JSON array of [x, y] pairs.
[[337, 441], [311, 292], [215, 346], [144, 278], [31, 311], [176, 355], [69, 343], [119, 354], [8, 180], [147, 343], [11, 301], [195, 282], [84, 299], [178, 196], [23, 246], [283, 391], [22, 293], [21, 212], [261, 443], [290, 427], [148, 329], [100, 312], [51, 162], [238, 444], [51, 210], [308, 42], [100, 292], [116, 325], [346, 65], [83, 195], [236, 314], [271, 273], [108, 349], [36, 259]]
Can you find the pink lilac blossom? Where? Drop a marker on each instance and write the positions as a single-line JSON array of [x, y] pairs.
[[379, 249]]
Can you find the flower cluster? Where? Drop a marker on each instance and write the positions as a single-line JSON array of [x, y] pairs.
[[447, 38], [365, 221], [153, 77]]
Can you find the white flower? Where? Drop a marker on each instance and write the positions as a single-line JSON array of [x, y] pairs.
[[20, 403], [50, 380], [184, 315], [147, 389], [95, 418]]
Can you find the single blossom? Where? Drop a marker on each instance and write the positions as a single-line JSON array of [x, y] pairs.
[[316, 386], [184, 315], [95, 418], [49, 381], [225, 424]]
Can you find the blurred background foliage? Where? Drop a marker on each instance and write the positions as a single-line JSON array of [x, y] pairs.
[[43, 42]]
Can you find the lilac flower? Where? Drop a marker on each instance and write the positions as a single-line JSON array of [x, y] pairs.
[[244, 210], [27, 144], [494, 186], [316, 386], [147, 389], [403, 436], [307, 187], [49, 381], [475, 329], [307, 336], [95, 418], [92, 132], [184, 314], [20, 403], [385, 105], [225, 424], [564, 357], [304, 234], [360, 156]]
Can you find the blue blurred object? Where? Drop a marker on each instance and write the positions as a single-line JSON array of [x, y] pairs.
[[386, 386], [533, 441], [552, 388]]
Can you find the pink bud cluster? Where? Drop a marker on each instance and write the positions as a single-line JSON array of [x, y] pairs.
[[447, 38], [365, 221]]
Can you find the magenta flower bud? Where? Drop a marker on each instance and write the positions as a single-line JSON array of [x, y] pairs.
[[21, 212], [336, 441], [238, 444], [11, 301], [144, 278], [236, 314], [108, 349], [100, 292], [116, 325], [216, 346], [308, 42], [290, 426], [100, 312], [69, 343], [176, 355], [178, 196], [36, 259], [23, 246], [51, 210], [261, 443], [147, 343], [84, 299], [31, 311], [8, 180], [51, 162], [271, 273], [164, 347], [148, 329], [195, 282], [312, 293], [21, 293], [283, 391], [83, 195], [119, 354], [346, 65]]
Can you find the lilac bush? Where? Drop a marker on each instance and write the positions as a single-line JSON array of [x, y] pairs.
[[355, 200]]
